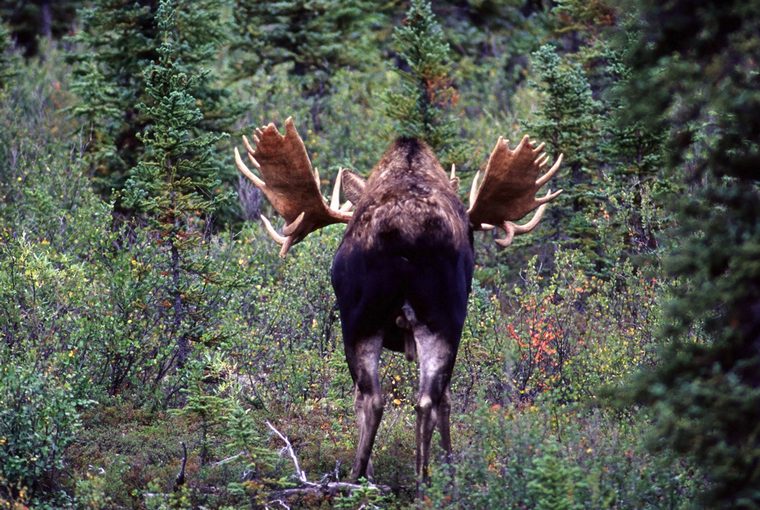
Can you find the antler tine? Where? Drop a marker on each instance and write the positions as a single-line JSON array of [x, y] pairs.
[[538, 149], [474, 188], [548, 175], [549, 197], [253, 161], [453, 172], [279, 239], [286, 246], [513, 229], [247, 171], [507, 240], [525, 140], [541, 160], [247, 144], [534, 221], [335, 199], [289, 229], [284, 241]]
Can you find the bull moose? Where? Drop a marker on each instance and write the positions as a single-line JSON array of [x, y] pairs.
[[403, 271]]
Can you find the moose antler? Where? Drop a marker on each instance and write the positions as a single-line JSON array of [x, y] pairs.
[[511, 180], [290, 184]]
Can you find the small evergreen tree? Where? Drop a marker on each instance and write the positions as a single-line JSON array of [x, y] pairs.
[[116, 43], [422, 106], [569, 122], [7, 59], [176, 184], [119, 40]]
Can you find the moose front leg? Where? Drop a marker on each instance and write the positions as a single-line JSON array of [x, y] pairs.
[[363, 359]]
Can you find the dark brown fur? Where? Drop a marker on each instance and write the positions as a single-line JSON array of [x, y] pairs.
[[402, 276], [409, 194]]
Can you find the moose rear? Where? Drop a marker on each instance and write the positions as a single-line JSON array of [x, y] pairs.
[[403, 271]]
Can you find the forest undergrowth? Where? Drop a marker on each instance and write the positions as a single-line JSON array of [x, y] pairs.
[[149, 328]]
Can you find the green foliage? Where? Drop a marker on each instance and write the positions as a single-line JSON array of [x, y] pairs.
[[313, 39], [558, 338], [176, 183], [178, 173], [569, 122], [511, 458], [554, 484], [38, 419], [612, 168], [7, 60], [145, 68], [496, 36], [367, 496], [421, 108], [704, 91], [29, 20], [116, 43], [99, 310]]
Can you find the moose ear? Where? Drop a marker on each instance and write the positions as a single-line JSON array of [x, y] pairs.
[[353, 186]]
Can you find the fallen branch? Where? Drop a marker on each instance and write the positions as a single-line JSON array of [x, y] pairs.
[[229, 459], [299, 472], [323, 488]]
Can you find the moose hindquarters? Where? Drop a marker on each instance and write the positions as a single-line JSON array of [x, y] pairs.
[[428, 287]]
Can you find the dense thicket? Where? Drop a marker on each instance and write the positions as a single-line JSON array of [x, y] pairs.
[[30, 20], [142, 318], [121, 47], [706, 92]]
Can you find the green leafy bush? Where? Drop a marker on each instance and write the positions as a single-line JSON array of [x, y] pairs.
[[39, 418]]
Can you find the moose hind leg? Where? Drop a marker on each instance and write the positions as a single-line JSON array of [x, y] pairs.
[[444, 427], [436, 360], [364, 358]]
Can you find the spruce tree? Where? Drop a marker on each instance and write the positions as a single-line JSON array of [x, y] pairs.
[[175, 186], [695, 72], [569, 122], [314, 37], [119, 40], [422, 108], [8, 60]]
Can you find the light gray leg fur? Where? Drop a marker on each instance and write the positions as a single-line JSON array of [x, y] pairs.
[[365, 357]]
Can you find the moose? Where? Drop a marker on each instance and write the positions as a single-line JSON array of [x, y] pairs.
[[403, 271]]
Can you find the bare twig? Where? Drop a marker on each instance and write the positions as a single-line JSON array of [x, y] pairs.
[[322, 488], [299, 472], [229, 459], [279, 502], [180, 480]]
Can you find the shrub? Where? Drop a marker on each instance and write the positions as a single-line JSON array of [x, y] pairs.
[[38, 419]]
